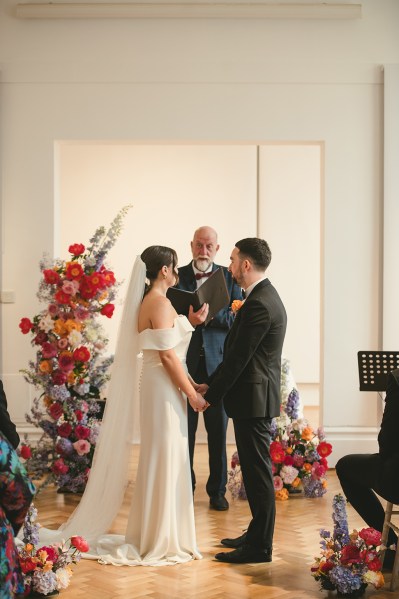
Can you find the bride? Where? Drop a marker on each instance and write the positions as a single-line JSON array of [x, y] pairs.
[[160, 528]]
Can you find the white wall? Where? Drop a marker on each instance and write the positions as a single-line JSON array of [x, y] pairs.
[[209, 81]]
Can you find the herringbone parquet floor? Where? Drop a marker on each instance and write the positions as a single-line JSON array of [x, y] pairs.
[[296, 542]]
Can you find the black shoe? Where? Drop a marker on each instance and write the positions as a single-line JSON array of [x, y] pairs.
[[245, 555], [235, 543], [219, 503]]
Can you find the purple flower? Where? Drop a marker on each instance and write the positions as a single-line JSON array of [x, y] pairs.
[[292, 407], [313, 488], [340, 519], [345, 580]]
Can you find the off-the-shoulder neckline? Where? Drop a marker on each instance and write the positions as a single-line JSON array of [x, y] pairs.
[[169, 328]]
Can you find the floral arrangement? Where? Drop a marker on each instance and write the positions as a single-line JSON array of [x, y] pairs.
[[47, 570], [348, 562], [69, 368], [236, 305], [298, 452]]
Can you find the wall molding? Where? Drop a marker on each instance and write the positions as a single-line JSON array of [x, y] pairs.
[[187, 10]]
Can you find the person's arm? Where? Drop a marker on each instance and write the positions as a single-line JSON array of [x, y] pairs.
[[225, 317], [163, 318], [7, 426]]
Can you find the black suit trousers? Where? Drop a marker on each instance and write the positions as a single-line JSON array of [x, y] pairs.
[[359, 475], [215, 420], [253, 437]]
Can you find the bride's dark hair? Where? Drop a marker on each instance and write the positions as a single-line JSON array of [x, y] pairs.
[[154, 258]]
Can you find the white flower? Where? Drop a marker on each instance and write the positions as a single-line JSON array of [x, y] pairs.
[[75, 338], [90, 261], [91, 333], [63, 578], [46, 324], [288, 474]]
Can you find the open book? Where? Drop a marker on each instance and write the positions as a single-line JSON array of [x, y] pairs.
[[213, 291]]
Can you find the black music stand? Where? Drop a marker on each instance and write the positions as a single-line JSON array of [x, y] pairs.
[[374, 368]]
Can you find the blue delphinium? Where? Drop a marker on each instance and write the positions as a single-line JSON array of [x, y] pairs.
[[345, 580], [292, 407], [340, 519]]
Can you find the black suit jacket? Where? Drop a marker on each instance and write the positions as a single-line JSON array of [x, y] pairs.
[[7, 427], [212, 336], [248, 379]]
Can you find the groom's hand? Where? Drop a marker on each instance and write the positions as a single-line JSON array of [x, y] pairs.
[[202, 388]]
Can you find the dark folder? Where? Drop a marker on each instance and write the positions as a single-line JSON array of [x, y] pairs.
[[213, 291]]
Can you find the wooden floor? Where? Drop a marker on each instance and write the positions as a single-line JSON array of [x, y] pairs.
[[296, 542]]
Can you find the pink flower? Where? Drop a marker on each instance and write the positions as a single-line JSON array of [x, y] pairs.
[[82, 432], [66, 362], [278, 483], [82, 447], [59, 467], [81, 313], [80, 543], [49, 350], [318, 471], [52, 554], [298, 460], [370, 536], [70, 287], [371, 559], [53, 309], [59, 378], [62, 343], [288, 460]]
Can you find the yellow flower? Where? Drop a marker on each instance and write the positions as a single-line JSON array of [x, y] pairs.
[[47, 401], [282, 495], [72, 325], [296, 482]]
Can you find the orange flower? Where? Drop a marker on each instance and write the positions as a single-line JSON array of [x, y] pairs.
[[236, 305], [324, 484], [307, 467], [289, 450], [59, 328], [71, 378], [296, 482], [307, 434], [45, 366], [282, 495], [72, 325], [47, 401]]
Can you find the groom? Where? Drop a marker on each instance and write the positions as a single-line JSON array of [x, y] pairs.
[[248, 381]]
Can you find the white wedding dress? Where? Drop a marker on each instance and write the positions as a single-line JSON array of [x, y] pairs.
[[160, 529]]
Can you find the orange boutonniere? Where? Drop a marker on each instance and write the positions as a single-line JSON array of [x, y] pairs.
[[236, 305]]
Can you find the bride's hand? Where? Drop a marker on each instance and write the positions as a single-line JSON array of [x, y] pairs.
[[198, 404]]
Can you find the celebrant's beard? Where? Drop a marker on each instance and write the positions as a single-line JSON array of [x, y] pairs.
[[202, 264]]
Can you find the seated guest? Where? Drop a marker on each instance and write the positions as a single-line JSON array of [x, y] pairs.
[[7, 427], [363, 476], [16, 493]]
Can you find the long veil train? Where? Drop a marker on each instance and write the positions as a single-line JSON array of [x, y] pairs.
[[107, 482]]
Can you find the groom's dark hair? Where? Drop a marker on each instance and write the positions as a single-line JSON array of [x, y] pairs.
[[155, 257], [256, 250]]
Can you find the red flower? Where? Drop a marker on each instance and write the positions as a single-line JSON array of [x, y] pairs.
[[80, 543], [73, 271], [51, 276], [81, 354], [64, 430], [25, 325], [288, 460], [61, 297], [59, 378], [108, 310], [40, 338], [371, 559], [277, 452], [52, 554], [25, 452], [56, 410], [79, 415], [76, 249], [350, 554], [59, 467], [82, 432], [87, 291], [109, 277], [27, 565], [326, 566], [370, 536], [97, 280], [324, 449]]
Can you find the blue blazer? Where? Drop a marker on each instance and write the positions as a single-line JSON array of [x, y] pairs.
[[212, 336]]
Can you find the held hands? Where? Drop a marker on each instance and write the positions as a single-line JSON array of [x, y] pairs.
[[199, 404], [199, 316], [202, 388]]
